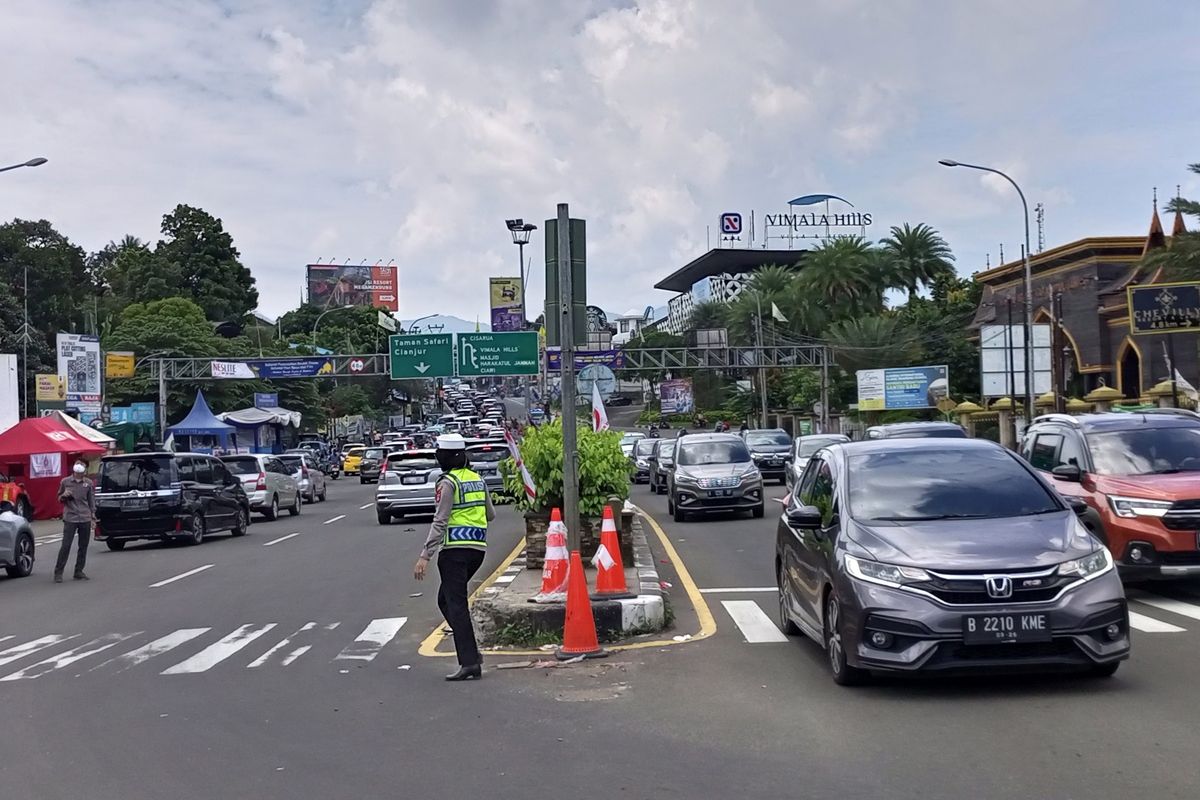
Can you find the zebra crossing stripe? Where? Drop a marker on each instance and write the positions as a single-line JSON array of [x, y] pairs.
[[217, 652], [755, 625], [1174, 606], [146, 652], [29, 648], [65, 659], [1146, 624], [265, 657], [6, 638], [373, 639]]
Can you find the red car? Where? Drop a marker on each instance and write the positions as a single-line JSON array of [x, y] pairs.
[[15, 493]]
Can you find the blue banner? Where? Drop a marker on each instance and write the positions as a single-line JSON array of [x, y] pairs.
[[266, 399], [292, 367], [143, 412], [902, 388], [613, 359]]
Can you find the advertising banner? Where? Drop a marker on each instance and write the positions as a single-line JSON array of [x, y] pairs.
[[79, 369], [118, 365], [902, 388], [266, 399], [675, 397], [143, 412], [613, 359], [505, 294], [273, 368], [51, 388], [332, 285]]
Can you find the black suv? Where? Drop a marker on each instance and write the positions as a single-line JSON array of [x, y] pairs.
[[165, 496]]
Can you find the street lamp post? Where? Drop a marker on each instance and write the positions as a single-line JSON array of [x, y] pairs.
[[320, 317], [33, 162], [521, 231], [412, 327], [1029, 394]]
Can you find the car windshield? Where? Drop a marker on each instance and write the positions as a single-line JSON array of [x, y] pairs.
[[810, 445], [666, 448], [401, 463], [487, 455], [644, 447], [944, 484], [242, 466], [1146, 451], [135, 474], [721, 452], [630, 438], [355, 451], [758, 438], [375, 452]]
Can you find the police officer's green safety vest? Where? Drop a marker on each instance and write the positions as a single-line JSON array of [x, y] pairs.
[[467, 526]]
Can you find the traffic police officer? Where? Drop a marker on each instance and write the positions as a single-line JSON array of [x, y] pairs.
[[458, 536]]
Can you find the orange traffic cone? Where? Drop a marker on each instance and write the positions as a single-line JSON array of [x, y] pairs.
[[579, 626], [554, 569], [610, 572]]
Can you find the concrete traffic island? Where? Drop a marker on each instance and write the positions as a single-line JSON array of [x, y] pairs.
[[505, 616]]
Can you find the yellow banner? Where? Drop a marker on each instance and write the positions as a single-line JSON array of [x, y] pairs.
[[51, 389], [118, 365], [505, 292]]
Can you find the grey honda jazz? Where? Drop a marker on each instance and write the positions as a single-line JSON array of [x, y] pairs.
[[945, 555]]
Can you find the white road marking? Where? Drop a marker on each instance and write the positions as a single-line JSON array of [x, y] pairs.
[[754, 623], [335, 519], [281, 539], [292, 656], [215, 653], [97, 645], [505, 579], [181, 576], [156, 648], [22, 650], [373, 638], [258, 662], [368, 505], [1169, 604], [739, 590], [1151, 625], [6, 638]]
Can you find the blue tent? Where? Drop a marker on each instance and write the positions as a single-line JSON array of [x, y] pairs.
[[205, 433]]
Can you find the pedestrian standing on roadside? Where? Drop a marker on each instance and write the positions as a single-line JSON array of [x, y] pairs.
[[458, 537], [78, 496]]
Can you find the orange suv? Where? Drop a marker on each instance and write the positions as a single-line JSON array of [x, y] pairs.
[[1139, 474]]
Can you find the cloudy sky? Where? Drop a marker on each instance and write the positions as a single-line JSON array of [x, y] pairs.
[[383, 129]]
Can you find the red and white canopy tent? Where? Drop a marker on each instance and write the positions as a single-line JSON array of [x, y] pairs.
[[39, 452]]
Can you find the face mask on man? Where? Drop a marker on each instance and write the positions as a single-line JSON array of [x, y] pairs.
[[80, 469]]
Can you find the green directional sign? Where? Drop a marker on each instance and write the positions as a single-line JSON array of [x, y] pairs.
[[425, 355], [514, 353]]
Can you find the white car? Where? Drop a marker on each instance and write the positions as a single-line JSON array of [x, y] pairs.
[[268, 482]]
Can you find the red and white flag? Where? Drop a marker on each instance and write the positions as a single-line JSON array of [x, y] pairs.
[[515, 452], [599, 415]]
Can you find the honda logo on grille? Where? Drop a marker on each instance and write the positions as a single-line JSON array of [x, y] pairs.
[[999, 587]]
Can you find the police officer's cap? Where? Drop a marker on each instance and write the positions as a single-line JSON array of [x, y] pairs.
[[451, 441]]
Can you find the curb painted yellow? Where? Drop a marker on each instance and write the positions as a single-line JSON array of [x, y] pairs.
[[708, 624]]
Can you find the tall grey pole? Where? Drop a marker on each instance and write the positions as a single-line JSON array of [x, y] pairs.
[[25, 348], [566, 332], [162, 399], [524, 326], [824, 389], [762, 371]]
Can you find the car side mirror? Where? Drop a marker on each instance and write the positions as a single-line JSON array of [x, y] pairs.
[[806, 517], [1078, 505], [1067, 472]]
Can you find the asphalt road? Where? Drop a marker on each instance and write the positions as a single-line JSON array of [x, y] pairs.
[[125, 709]]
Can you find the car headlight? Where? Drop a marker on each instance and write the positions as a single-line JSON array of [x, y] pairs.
[[684, 478], [884, 574], [752, 476], [1129, 507], [757, 456], [643, 464], [1091, 565]]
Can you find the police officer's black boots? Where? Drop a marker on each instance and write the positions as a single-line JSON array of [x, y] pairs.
[[470, 673]]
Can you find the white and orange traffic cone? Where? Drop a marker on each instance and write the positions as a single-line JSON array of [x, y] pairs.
[[579, 625], [555, 568], [610, 572]]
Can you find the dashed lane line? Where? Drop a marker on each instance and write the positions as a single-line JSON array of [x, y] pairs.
[[281, 539], [335, 519], [753, 622], [368, 505], [739, 590], [181, 576]]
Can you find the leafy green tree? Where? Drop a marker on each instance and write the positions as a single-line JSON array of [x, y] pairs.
[[710, 314], [941, 322], [346, 401], [1181, 259], [649, 341], [198, 250], [846, 275], [58, 283], [872, 342], [916, 256]]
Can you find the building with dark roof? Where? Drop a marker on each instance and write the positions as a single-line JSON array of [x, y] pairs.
[[718, 275], [1092, 276]]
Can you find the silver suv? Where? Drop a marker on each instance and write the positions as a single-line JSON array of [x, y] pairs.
[[268, 482], [16, 543], [713, 472]]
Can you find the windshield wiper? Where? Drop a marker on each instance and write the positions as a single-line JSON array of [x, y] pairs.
[[930, 517]]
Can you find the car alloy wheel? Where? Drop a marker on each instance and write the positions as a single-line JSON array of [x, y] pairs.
[[786, 625], [197, 529], [295, 509], [273, 511], [22, 558], [243, 522], [835, 646]]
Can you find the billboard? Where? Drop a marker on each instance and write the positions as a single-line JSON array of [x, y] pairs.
[[118, 365], [332, 285], [899, 388], [997, 369], [10, 395], [505, 301], [272, 368], [675, 396], [79, 368], [1164, 308]]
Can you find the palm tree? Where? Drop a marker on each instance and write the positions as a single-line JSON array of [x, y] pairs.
[[872, 342], [916, 257], [710, 314], [845, 275]]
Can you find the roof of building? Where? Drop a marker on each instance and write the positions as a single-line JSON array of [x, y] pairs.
[[731, 260]]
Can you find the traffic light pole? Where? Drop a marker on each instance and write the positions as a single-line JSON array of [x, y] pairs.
[[566, 333]]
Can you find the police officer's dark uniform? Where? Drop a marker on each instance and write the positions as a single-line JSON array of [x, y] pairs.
[[458, 536]]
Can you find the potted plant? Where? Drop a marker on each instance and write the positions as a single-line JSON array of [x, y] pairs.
[[604, 477]]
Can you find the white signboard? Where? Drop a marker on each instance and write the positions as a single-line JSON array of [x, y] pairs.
[[996, 360], [10, 398], [79, 368]]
